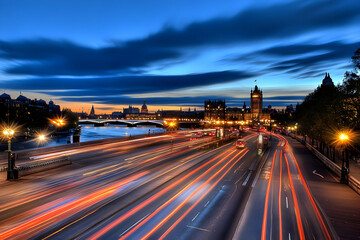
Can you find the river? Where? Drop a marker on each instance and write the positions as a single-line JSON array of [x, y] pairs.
[[90, 133]]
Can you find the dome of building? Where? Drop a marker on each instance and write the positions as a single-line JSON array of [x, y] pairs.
[[40, 101], [5, 96], [22, 98], [51, 102], [144, 108]]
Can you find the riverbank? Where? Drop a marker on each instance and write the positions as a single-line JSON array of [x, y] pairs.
[[88, 133]]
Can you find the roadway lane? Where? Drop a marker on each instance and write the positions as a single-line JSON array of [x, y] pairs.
[[179, 208], [338, 201], [43, 154], [104, 183], [281, 205], [39, 189]]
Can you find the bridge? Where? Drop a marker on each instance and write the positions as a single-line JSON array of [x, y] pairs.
[[129, 123]]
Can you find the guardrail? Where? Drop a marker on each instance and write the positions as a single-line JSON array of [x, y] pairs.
[[30, 168], [30, 152], [353, 182]]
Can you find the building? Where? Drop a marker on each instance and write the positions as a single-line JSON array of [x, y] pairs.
[[217, 110], [214, 110], [117, 115], [92, 112], [327, 81], [131, 110], [256, 102], [144, 108], [25, 111], [179, 115]]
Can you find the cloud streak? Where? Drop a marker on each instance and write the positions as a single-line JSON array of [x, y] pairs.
[[126, 84]]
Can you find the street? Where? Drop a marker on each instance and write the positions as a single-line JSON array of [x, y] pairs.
[[171, 188]]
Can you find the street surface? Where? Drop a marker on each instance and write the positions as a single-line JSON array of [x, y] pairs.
[[170, 187]]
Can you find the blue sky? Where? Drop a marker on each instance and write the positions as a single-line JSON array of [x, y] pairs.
[[173, 53]]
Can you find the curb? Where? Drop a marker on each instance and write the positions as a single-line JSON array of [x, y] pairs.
[[353, 182], [31, 168]]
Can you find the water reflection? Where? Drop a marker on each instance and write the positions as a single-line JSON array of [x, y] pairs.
[[90, 133]]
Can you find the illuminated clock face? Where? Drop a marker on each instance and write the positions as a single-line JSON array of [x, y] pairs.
[[255, 96]]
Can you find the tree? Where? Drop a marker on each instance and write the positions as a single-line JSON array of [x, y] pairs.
[[70, 117], [350, 90], [318, 114]]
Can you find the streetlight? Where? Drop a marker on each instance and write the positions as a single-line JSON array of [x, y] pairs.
[[41, 137], [11, 172], [59, 122], [344, 140]]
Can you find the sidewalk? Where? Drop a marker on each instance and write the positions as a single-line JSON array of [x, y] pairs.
[[354, 169], [337, 202]]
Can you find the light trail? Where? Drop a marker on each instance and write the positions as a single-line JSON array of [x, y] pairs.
[[297, 211], [263, 230], [312, 202], [185, 161], [201, 198], [29, 225], [316, 210], [92, 148], [151, 199], [173, 212], [280, 220], [175, 196]]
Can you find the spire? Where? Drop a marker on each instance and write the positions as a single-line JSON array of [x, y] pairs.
[[327, 81], [92, 112]]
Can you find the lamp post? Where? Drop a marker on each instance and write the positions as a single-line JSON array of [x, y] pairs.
[[11, 172], [344, 139]]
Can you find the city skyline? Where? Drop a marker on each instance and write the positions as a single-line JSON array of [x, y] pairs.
[[78, 56]]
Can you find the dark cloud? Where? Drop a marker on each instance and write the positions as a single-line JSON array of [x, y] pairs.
[[341, 49], [123, 85], [277, 101], [314, 59], [44, 57], [273, 22]]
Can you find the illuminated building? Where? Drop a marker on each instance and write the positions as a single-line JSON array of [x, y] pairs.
[[214, 110], [144, 108], [217, 110]]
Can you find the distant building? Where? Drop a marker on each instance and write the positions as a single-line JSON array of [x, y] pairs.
[[131, 110], [180, 115], [144, 108], [214, 110], [217, 110], [30, 112], [92, 112], [141, 116], [327, 81], [117, 115], [256, 101]]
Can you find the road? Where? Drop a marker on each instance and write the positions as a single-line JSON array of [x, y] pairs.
[[282, 197], [105, 184], [166, 188]]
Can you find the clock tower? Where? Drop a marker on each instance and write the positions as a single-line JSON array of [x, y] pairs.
[[256, 102]]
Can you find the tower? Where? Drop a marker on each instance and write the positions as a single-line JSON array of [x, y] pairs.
[[144, 108], [92, 112], [327, 81], [256, 102]]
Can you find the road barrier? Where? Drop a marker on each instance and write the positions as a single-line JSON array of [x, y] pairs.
[[31, 152], [353, 182], [36, 167]]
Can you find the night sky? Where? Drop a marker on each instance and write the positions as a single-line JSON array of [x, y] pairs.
[[173, 53]]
